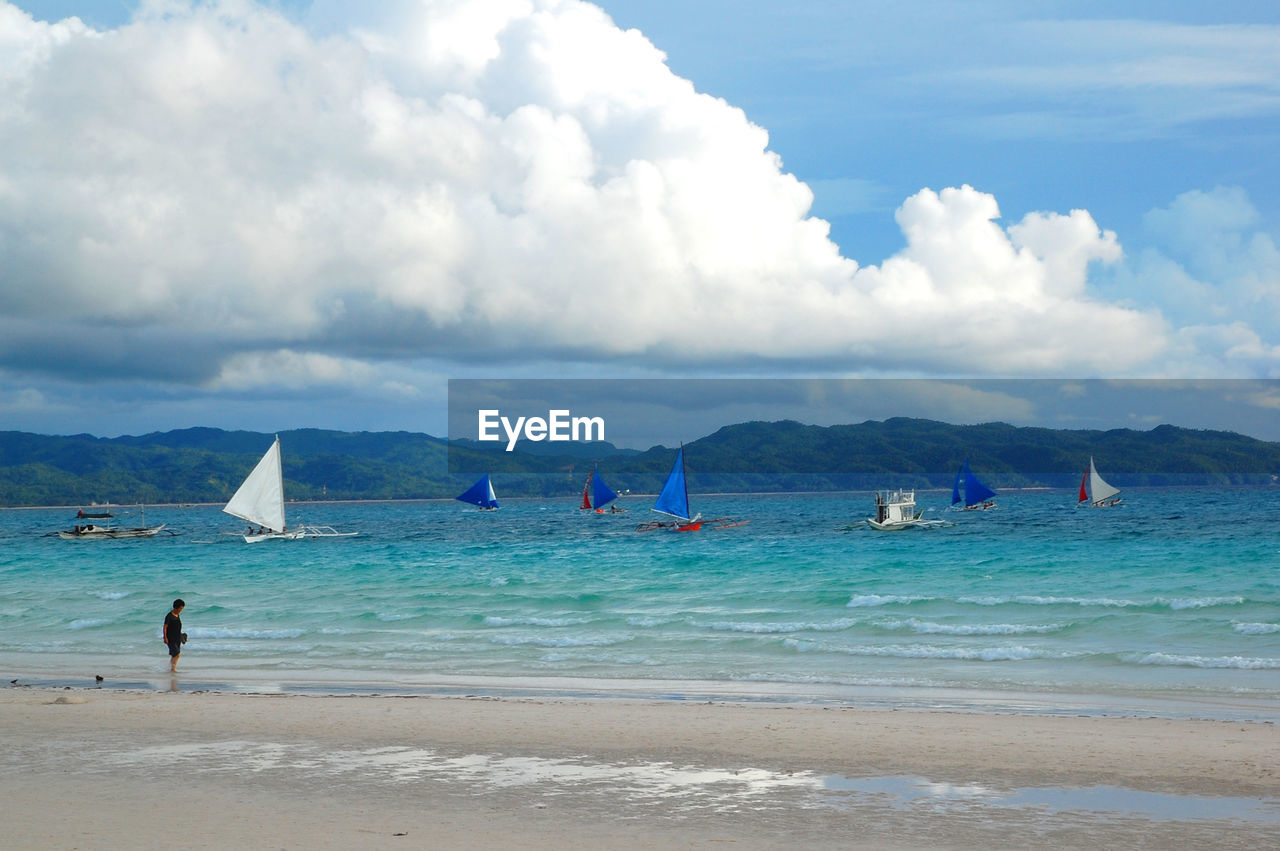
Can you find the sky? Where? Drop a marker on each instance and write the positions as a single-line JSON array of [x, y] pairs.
[[312, 213]]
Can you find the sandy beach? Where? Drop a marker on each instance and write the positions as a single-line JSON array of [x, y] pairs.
[[90, 768]]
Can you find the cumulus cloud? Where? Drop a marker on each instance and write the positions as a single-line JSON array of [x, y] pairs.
[[1216, 275], [465, 180]]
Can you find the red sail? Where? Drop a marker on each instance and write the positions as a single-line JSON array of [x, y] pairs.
[[586, 493], [1083, 495]]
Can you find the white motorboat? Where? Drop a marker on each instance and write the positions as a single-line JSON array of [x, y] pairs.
[[896, 510]]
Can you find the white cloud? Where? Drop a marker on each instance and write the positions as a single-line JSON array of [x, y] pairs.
[[286, 369], [1111, 78], [468, 181], [23, 400], [1216, 275], [987, 299]]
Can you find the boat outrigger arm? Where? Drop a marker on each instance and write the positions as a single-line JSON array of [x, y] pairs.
[[692, 525]]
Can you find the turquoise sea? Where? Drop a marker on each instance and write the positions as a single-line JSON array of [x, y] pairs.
[[1167, 604]]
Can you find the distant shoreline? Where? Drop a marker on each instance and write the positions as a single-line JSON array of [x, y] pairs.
[[645, 496], [863, 492]]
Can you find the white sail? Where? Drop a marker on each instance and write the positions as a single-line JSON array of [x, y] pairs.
[[260, 500], [1099, 490]]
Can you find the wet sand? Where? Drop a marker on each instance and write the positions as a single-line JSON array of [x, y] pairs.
[[89, 768]]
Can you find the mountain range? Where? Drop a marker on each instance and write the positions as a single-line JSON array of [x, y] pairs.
[[207, 465]]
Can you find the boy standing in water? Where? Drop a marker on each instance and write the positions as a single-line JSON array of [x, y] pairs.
[[173, 635]]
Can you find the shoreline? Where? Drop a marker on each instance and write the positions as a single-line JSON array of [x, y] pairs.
[[211, 769], [1245, 709], [570, 497]]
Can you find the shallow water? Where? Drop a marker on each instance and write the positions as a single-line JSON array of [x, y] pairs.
[[1172, 596]]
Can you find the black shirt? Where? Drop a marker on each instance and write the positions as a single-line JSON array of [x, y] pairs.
[[172, 628]]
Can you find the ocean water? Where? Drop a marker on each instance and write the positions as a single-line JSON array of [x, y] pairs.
[[1168, 603]]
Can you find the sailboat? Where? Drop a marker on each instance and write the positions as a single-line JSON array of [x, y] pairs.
[[480, 494], [596, 495], [260, 502], [674, 502], [977, 496], [1099, 494]]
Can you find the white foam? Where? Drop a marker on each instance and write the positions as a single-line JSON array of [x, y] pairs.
[[929, 628], [562, 641], [767, 628], [1201, 602], [1243, 663], [229, 632], [497, 620], [88, 623], [1005, 653], [109, 595], [1256, 628], [880, 600], [1175, 603]]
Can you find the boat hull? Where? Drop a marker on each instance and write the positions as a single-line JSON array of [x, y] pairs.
[[98, 533], [901, 525], [273, 536]]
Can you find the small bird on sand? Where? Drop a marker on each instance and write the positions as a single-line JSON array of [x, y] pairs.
[[98, 677]]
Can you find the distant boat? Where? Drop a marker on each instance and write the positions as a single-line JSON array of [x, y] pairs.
[[596, 495], [896, 510], [480, 494], [259, 501], [674, 502], [96, 531], [977, 496], [1098, 493]]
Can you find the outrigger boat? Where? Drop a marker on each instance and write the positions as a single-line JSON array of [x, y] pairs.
[[1099, 493], [95, 531], [896, 510], [596, 495], [480, 494], [674, 502], [260, 502], [977, 496]]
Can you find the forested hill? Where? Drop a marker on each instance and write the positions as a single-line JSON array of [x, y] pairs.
[[207, 465]]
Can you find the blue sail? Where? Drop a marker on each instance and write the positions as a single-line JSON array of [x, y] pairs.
[[674, 499], [955, 488], [481, 494], [975, 491], [601, 494]]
